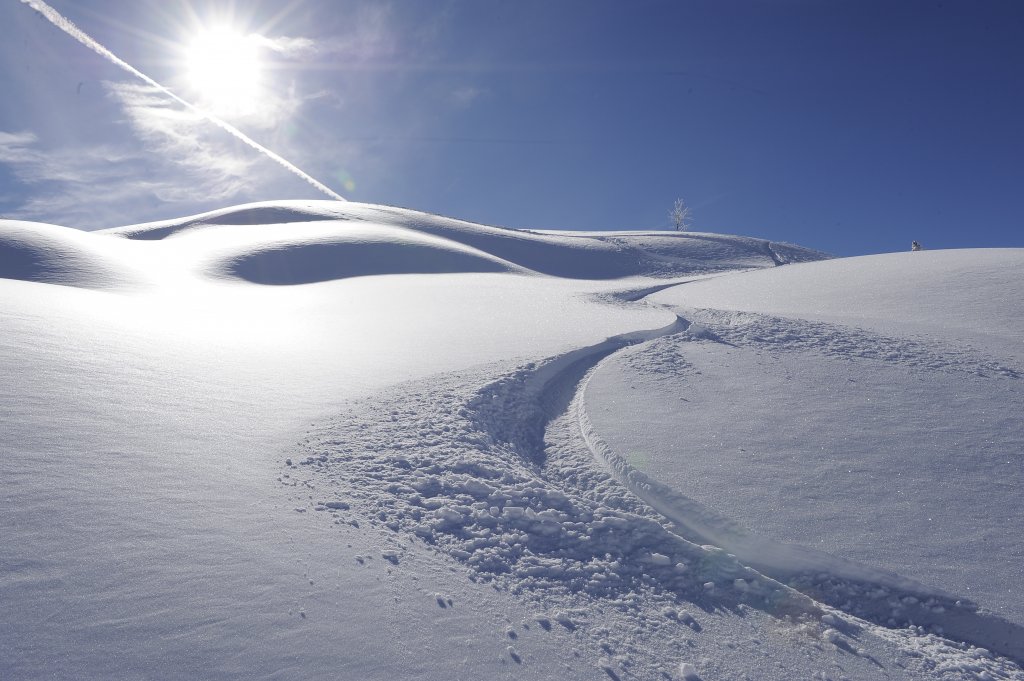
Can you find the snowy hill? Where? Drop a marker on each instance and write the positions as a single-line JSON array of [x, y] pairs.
[[316, 439]]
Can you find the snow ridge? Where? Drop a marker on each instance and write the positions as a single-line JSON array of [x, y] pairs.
[[319, 231]]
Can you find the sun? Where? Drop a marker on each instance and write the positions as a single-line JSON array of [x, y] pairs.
[[224, 71]]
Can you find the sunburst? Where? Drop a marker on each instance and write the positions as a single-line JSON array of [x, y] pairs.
[[224, 71]]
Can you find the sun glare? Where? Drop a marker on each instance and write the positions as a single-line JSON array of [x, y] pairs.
[[225, 72]]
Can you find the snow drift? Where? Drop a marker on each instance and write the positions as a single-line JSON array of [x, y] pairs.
[[459, 246], [42, 253]]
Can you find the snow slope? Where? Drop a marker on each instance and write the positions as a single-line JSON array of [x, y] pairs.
[[308, 439], [888, 433]]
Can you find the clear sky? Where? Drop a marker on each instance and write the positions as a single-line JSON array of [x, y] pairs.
[[850, 126]]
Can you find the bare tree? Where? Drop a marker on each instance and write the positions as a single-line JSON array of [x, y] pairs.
[[680, 216]]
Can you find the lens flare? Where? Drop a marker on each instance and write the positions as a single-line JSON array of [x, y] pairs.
[[345, 179]]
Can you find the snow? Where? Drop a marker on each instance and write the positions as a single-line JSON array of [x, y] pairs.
[[899, 451], [963, 294], [307, 439]]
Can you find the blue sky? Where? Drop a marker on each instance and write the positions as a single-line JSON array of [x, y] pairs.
[[849, 126]]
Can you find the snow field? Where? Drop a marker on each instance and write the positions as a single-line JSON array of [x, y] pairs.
[[909, 507], [919, 442], [308, 439]]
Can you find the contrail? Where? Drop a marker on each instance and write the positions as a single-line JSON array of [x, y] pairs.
[[64, 24]]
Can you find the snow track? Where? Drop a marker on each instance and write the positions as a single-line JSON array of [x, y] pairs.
[[498, 479], [470, 471], [868, 592], [503, 480]]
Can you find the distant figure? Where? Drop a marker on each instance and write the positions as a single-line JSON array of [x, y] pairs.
[[914, 246]]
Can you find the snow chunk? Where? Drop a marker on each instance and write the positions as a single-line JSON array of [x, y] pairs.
[[688, 672]]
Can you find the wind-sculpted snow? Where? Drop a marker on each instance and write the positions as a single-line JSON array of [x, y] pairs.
[[578, 256], [603, 256], [354, 255], [42, 253], [278, 213], [303, 242]]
